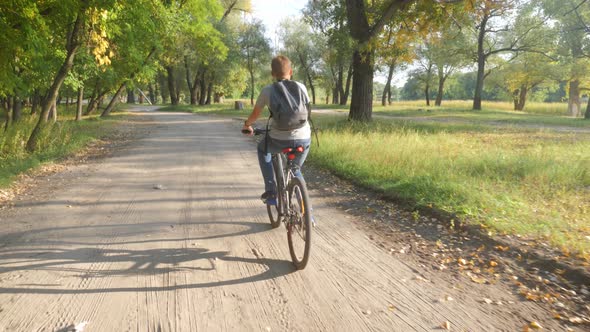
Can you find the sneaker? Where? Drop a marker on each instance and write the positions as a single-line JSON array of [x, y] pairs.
[[269, 198]]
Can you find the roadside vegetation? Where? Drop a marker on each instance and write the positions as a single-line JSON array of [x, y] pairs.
[[517, 181], [55, 142]]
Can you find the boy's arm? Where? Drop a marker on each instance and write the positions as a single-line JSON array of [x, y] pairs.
[[252, 118]]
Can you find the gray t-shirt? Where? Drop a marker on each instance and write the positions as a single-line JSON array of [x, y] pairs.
[[283, 135]]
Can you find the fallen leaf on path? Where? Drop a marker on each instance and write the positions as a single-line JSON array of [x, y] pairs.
[[501, 248], [535, 325], [493, 264], [576, 320], [462, 261], [391, 307], [446, 325], [479, 280], [488, 301], [419, 278]]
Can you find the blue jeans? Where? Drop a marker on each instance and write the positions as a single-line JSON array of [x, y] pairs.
[[276, 146]]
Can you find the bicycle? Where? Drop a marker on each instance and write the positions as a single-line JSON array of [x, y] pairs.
[[293, 206]]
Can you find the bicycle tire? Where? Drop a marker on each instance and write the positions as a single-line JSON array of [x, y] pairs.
[[275, 211], [302, 227]]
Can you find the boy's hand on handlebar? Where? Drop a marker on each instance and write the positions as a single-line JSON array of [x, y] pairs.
[[248, 130]]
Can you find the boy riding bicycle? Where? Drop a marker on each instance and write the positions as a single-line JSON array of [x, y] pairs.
[[288, 103]]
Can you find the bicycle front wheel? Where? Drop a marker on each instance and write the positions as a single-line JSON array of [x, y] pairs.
[[299, 225]]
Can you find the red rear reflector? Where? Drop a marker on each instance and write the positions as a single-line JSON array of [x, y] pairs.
[[300, 149], [290, 156], [287, 150]]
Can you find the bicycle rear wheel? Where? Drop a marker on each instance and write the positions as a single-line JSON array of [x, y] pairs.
[[299, 225], [275, 211]]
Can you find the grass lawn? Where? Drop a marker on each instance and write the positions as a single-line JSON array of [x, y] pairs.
[[540, 114], [517, 180], [57, 141], [528, 182]]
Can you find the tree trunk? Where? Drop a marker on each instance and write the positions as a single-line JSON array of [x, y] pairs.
[[193, 87], [195, 93], [187, 72], [587, 114], [481, 64], [389, 96], [387, 89], [35, 102], [17, 108], [427, 94], [113, 102], [209, 93], [53, 112], [3, 103], [202, 89], [334, 88], [515, 94], [520, 98], [152, 94], [72, 46], [574, 104], [251, 88], [335, 93], [339, 88], [344, 97], [441, 87], [361, 105], [163, 88], [8, 112], [95, 104], [172, 85], [130, 96], [311, 87], [79, 103]]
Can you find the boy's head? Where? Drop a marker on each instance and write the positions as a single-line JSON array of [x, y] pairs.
[[281, 67]]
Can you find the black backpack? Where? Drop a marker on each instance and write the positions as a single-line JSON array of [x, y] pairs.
[[289, 105]]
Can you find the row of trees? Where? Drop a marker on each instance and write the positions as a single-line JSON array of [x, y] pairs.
[[197, 51], [516, 46]]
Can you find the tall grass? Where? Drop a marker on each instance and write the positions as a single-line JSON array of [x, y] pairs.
[[531, 183], [56, 141]]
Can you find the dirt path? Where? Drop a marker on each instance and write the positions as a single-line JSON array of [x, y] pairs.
[[454, 120], [100, 245]]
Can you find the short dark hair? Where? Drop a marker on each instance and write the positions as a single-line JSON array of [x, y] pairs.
[[281, 66]]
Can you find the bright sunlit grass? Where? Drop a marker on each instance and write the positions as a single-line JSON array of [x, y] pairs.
[[531, 183]]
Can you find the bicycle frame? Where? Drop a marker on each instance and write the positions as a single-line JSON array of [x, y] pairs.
[[283, 175]]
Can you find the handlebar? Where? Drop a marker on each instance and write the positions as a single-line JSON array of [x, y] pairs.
[[257, 131]]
